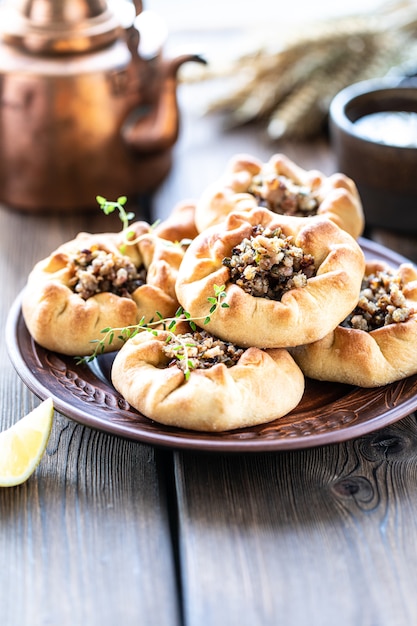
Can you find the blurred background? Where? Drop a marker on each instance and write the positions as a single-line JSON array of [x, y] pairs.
[[214, 14], [283, 65], [272, 69]]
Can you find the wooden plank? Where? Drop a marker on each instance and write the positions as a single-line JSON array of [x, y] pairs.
[[317, 537], [86, 540]]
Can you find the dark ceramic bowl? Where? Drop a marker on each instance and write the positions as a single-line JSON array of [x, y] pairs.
[[373, 130]]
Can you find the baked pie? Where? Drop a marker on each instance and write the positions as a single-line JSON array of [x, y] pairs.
[[97, 281], [288, 280], [195, 381], [376, 344], [282, 187]]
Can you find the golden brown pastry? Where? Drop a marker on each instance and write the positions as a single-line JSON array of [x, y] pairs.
[[180, 224], [377, 343], [288, 280], [97, 281], [283, 187], [227, 387]]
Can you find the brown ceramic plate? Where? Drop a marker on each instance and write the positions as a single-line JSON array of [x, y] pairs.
[[328, 412]]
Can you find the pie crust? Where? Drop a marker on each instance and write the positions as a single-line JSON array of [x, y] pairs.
[[336, 195], [304, 314], [367, 359], [262, 386], [61, 320]]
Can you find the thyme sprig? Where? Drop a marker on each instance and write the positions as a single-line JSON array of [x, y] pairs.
[[129, 238], [168, 324], [125, 217], [108, 207]]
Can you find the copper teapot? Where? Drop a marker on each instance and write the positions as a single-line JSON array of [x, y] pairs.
[[84, 111]]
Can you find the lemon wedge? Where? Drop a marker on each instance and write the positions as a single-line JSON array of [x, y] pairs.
[[23, 444]]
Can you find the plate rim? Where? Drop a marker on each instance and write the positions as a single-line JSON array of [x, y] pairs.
[[183, 439]]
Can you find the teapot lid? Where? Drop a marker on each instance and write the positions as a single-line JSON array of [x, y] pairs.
[[64, 26]]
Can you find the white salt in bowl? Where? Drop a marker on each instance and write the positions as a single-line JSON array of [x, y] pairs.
[[373, 131]]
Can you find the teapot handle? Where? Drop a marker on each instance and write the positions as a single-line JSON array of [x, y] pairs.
[[138, 4], [157, 128]]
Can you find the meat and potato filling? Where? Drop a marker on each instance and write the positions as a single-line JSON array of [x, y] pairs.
[[200, 350], [95, 271], [283, 196], [381, 302], [268, 264]]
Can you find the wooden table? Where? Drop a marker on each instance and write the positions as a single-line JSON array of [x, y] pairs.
[[112, 531]]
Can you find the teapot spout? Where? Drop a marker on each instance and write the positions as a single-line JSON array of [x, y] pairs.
[[158, 129]]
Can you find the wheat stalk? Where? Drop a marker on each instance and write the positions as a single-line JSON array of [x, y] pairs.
[[289, 85]]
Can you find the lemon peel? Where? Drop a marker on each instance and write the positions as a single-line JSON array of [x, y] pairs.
[[23, 444]]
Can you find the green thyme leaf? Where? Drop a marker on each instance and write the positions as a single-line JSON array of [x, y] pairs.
[[218, 289], [155, 224], [170, 323]]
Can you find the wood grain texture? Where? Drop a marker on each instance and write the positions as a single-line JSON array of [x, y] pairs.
[[86, 540], [317, 538]]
